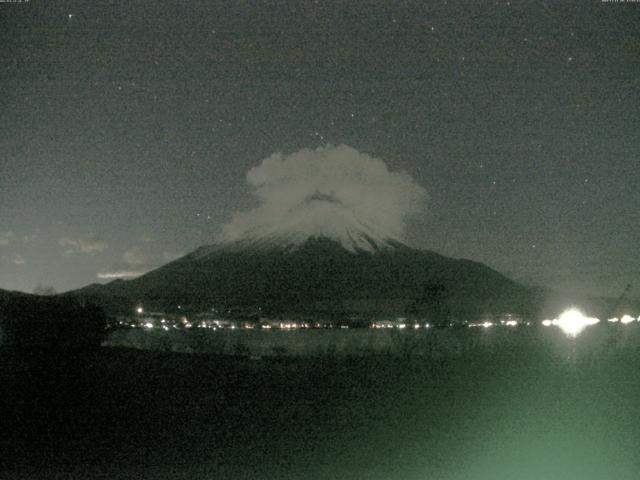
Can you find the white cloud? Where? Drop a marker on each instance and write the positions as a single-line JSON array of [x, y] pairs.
[[107, 275], [86, 244], [136, 256], [136, 261], [330, 191], [6, 238]]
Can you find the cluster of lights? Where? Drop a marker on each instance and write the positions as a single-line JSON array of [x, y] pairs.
[[292, 325], [232, 325], [488, 324], [401, 326], [571, 322], [164, 325], [154, 320], [485, 324], [625, 319]]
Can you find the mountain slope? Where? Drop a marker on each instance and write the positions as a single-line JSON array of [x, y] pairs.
[[6, 296], [320, 276]]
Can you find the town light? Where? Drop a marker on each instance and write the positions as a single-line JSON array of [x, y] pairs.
[[627, 319], [572, 322]]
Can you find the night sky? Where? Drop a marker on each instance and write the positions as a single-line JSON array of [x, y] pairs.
[[128, 128]]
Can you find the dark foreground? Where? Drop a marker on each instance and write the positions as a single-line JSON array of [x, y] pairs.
[[536, 408]]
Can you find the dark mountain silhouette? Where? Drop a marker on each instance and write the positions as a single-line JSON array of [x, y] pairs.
[[320, 276], [6, 296], [49, 322]]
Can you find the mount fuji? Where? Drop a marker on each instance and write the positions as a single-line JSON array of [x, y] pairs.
[[325, 258], [343, 272]]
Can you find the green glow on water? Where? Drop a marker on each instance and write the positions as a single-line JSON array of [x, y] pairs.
[[512, 403]]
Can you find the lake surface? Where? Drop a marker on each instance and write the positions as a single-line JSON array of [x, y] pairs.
[[522, 403]]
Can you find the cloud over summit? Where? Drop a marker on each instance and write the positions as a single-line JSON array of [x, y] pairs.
[[333, 191]]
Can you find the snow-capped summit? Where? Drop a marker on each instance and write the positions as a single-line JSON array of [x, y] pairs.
[[321, 216]]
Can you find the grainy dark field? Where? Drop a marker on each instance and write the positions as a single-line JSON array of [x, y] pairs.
[[542, 407]]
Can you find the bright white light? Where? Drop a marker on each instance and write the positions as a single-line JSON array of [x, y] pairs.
[[511, 323], [572, 322], [547, 323], [148, 325], [613, 320], [487, 324], [627, 319], [139, 310]]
